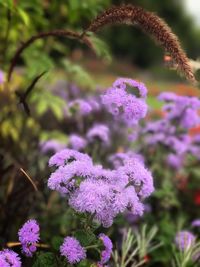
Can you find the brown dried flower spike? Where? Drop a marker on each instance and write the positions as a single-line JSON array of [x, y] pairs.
[[150, 24]]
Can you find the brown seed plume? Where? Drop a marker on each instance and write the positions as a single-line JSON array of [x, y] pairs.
[[150, 24]]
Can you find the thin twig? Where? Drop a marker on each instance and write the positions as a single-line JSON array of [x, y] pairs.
[[59, 33], [29, 178], [15, 244]]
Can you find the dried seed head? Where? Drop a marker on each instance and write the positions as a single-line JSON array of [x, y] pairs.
[[151, 24]]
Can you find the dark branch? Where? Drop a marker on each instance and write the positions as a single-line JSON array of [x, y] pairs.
[[59, 33]]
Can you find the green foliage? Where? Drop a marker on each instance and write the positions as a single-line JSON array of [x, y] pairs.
[[44, 259]]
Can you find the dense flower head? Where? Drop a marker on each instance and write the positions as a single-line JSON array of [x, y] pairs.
[[29, 236], [51, 145], [122, 84], [8, 258], [105, 199], [2, 77], [102, 192], [123, 105], [119, 159], [106, 253], [196, 223], [66, 156], [65, 177], [77, 142], [184, 240], [139, 176], [99, 132], [181, 109], [175, 161], [72, 250], [81, 106]]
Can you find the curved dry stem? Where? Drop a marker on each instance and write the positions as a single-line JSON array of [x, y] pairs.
[[151, 24], [58, 33]]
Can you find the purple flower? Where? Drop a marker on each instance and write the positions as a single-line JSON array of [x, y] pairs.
[[124, 105], [72, 250], [122, 82], [81, 106], [119, 159], [184, 240], [106, 253], [66, 156], [8, 258], [139, 176], [99, 132], [175, 161], [64, 178], [29, 236], [167, 96], [2, 77], [105, 199], [196, 223], [77, 142], [51, 145], [182, 109]]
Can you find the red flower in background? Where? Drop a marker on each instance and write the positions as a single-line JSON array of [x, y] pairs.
[[147, 258], [195, 130], [197, 197]]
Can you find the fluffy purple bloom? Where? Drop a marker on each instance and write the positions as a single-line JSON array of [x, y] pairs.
[[196, 223], [66, 156], [106, 253], [77, 142], [122, 84], [139, 176], [99, 132], [81, 106], [51, 145], [29, 236], [8, 258], [167, 96], [181, 109], [72, 250], [105, 199], [64, 178], [184, 240], [175, 161], [120, 158], [2, 77], [124, 105]]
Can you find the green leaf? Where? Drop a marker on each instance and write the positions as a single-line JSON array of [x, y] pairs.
[[44, 259], [86, 238], [24, 16], [100, 47], [56, 242]]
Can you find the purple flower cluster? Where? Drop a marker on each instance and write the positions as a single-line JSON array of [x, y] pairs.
[[98, 191], [29, 236], [81, 107], [51, 146], [99, 132], [181, 114], [181, 109], [196, 223], [9, 258], [72, 250], [184, 240], [106, 253], [2, 77], [77, 142], [124, 105]]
